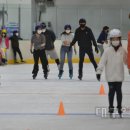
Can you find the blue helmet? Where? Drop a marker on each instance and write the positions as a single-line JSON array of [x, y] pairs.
[[38, 27], [67, 27]]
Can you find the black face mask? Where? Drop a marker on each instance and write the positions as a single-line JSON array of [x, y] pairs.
[[82, 25]]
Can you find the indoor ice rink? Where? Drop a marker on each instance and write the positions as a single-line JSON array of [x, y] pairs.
[[53, 103]]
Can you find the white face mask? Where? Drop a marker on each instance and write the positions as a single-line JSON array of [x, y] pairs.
[[39, 31], [67, 31], [43, 30], [115, 43], [17, 34]]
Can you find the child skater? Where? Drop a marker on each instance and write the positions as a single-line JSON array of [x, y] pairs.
[[113, 60]]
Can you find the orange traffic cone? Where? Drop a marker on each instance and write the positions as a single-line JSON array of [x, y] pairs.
[[102, 91], [61, 111]]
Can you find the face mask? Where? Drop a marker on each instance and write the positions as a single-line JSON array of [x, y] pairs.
[[43, 30], [17, 34], [39, 31], [82, 25], [115, 43], [67, 31]]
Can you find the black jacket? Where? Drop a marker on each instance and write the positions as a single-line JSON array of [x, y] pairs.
[[15, 41], [50, 39], [85, 38]]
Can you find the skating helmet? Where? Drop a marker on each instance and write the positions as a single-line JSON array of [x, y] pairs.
[[43, 25], [82, 20], [115, 33], [4, 31], [38, 27], [67, 27]]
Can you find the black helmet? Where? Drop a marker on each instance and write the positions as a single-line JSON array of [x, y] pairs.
[[82, 20], [43, 25], [15, 31], [67, 27]]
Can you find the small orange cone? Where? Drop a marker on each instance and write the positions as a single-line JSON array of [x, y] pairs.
[[102, 91], [61, 111]]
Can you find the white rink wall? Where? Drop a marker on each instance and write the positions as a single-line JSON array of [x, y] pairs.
[[25, 49]]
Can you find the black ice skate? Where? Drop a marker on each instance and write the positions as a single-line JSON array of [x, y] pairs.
[[80, 77], [45, 76], [60, 74], [71, 74], [34, 76]]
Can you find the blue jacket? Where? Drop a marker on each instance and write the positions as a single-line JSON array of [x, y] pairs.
[[102, 37]]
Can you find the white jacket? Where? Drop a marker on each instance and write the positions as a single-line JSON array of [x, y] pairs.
[[113, 61]]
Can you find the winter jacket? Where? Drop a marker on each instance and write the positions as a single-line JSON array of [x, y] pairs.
[[128, 56], [50, 39], [6, 42], [113, 61], [102, 37], [15, 41], [85, 38]]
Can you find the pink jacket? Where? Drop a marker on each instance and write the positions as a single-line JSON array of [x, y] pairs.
[[6, 42]]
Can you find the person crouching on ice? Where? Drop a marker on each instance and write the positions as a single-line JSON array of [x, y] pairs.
[[113, 60]]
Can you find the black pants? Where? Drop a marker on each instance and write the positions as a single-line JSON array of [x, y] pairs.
[[82, 52], [42, 55], [15, 51], [115, 87]]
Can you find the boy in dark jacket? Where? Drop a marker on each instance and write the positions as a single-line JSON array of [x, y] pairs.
[[15, 46]]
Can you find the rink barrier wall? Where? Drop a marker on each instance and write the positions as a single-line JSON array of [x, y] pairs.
[[28, 57]]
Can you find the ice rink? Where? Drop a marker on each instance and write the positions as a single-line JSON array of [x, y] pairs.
[[27, 104]]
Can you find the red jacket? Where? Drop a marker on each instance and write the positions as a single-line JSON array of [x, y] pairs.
[[6, 42], [128, 56]]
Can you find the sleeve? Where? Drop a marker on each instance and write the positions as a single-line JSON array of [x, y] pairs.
[[93, 38], [63, 38], [32, 40], [53, 36], [102, 63], [75, 39], [43, 39]]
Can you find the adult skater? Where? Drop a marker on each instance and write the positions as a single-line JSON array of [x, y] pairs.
[[49, 47], [15, 46], [102, 39], [84, 36], [66, 38], [4, 43], [113, 59], [38, 42]]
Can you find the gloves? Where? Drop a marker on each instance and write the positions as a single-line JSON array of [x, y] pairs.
[[31, 51], [96, 49], [98, 76]]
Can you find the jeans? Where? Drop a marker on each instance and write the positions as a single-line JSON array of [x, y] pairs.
[[65, 50], [101, 49]]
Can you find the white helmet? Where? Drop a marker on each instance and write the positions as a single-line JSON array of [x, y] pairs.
[[114, 33]]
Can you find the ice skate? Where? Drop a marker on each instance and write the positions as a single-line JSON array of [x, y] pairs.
[[71, 74], [60, 74], [34, 76]]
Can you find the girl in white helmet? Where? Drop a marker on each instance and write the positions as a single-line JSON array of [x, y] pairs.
[[113, 60]]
